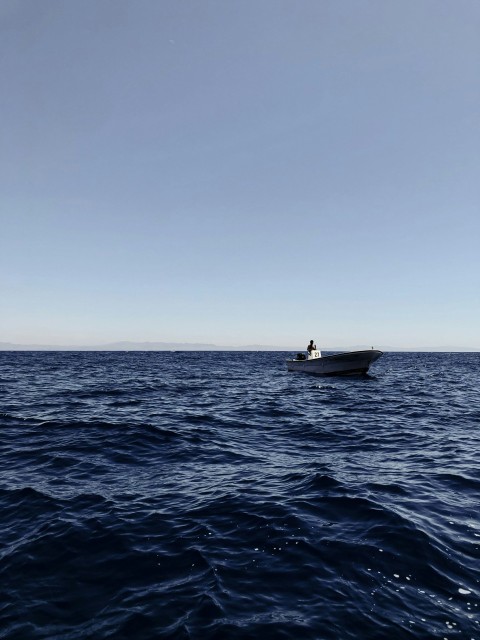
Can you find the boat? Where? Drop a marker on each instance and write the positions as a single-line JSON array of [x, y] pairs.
[[339, 364]]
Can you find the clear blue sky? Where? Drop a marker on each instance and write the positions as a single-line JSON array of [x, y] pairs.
[[245, 172]]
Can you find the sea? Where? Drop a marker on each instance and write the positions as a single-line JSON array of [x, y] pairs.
[[214, 495]]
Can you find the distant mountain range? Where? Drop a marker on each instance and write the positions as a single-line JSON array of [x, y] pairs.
[[187, 346], [136, 346]]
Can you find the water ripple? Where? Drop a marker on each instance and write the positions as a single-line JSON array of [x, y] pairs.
[[215, 495]]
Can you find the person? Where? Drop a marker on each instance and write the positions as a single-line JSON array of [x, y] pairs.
[[311, 347]]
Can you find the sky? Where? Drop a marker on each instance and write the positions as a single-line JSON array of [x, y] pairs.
[[254, 172]]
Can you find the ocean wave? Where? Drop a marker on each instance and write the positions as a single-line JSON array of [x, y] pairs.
[[141, 498]]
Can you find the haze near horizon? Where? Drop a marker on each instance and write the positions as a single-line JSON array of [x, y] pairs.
[[240, 173]]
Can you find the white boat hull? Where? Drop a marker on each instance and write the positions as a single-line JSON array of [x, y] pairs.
[[351, 363]]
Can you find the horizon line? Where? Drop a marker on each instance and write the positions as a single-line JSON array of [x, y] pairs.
[[130, 345]]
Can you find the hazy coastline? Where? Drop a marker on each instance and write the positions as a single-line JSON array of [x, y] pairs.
[[187, 346]]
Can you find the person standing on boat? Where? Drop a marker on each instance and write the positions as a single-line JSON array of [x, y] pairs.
[[311, 347]]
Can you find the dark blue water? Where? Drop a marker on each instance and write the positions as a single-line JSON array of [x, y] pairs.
[[215, 495]]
